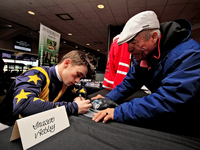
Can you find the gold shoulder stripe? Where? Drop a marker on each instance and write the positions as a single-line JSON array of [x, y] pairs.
[[45, 92]]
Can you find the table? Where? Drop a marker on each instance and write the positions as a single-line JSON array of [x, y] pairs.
[[85, 134]]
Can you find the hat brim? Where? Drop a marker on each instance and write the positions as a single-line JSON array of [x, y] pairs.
[[120, 42], [90, 112]]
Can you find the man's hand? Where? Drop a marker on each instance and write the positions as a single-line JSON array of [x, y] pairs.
[[98, 96], [83, 105], [104, 114], [80, 98]]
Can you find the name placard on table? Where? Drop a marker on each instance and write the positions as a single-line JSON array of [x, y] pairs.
[[36, 128]]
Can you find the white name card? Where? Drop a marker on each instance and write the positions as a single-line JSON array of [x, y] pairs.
[[36, 128]]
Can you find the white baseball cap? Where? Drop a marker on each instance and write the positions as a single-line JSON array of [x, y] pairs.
[[139, 22]]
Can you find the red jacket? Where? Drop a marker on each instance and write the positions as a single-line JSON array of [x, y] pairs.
[[118, 64]]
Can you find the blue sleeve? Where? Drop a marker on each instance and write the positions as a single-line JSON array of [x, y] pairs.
[[179, 90], [133, 81], [27, 89]]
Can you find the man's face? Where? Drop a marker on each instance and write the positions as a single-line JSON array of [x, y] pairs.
[[140, 48], [73, 73]]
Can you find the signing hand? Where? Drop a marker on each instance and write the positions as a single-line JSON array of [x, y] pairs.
[[83, 105], [80, 98], [104, 114]]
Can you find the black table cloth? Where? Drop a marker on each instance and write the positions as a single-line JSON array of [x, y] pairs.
[[85, 134]]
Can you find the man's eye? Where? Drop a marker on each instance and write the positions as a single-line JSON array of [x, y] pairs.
[[78, 75]]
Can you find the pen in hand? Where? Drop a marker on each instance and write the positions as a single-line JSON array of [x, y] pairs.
[[80, 97]]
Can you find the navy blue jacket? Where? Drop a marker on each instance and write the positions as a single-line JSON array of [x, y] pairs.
[[174, 80], [24, 95]]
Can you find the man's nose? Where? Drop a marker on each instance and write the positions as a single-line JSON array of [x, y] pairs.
[[77, 80]]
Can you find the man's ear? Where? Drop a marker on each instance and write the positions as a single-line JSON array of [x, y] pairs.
[[154, 37], [67, 62]]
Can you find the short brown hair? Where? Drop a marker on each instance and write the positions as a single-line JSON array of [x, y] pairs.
[[78, 57]]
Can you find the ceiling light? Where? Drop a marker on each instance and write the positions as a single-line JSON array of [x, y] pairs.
[[64, 41], [100, 6], [69, 33], [98, 50], [87, 44], [31, 13], [10, 26]]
